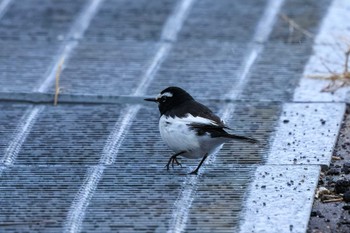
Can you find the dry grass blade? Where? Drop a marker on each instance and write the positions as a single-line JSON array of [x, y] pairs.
[[57, 84], [338, 80], [333, 200]]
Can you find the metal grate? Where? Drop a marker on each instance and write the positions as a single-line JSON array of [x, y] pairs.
[[209, 21], [9, 119], [190, 63], [38, 20], [104, 68], [36, 198], [69, 134], [138, 20], [23, 65]]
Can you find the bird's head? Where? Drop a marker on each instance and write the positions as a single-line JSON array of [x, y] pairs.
[[170, 98]]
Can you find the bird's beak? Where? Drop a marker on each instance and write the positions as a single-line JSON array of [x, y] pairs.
[[151, 99]]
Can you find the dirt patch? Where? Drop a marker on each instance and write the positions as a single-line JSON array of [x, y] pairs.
[[331, 208]]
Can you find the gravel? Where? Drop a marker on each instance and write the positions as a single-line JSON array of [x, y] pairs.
[[331, 211]]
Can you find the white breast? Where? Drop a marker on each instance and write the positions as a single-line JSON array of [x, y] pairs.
[[179, 137]]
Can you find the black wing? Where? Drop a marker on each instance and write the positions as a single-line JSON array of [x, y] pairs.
[[215, 126], [196, 109], [218, 131]]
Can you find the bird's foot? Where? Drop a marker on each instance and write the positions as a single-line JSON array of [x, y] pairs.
[[194, 172], [173, 160]]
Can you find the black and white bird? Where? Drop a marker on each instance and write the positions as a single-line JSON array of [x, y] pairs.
[[189, 128]]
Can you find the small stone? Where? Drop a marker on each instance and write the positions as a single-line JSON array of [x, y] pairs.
[[324, 168], [333, 171], [313, 214], [346, 168], [346, 207], [285, 121], [342, 186], [317, 213], [323, 121], [346, 196]]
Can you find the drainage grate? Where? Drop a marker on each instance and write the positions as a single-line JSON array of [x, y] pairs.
[[138, 20], [104, 68], [38, 20], [9, 119], [37, 198], [224, 20], [69, 134]]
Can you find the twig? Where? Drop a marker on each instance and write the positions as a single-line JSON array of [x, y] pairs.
[[338, 80], [57, 85], [296, 26]]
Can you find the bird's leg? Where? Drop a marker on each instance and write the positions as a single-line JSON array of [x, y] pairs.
[[195, 172], [173, 160]]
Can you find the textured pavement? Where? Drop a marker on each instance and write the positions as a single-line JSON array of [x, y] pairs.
[[95, 162]]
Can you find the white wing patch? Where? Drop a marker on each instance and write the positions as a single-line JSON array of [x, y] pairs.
[[189, 119]]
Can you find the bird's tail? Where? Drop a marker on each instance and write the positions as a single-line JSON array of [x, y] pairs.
[[241, 138]]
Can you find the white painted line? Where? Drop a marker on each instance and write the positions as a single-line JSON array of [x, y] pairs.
[[149, 75], [261, 35], [267, 21], [77, 210], [305, 138], [176, 20], [306, 133], [280, 199], [330, 45], [25, 125], [183, 203], [76, 32], [180, 216], [117, 135], [79, 27], [335, 25], [4, 5]]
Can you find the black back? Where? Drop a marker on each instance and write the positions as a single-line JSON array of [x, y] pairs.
[[182, 103]]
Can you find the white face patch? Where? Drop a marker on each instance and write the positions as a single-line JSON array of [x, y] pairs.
[[167, 94]]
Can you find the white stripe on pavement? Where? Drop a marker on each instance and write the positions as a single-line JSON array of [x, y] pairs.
[[307, 133], [328, 56], [4, 5], [280, 199]]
